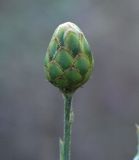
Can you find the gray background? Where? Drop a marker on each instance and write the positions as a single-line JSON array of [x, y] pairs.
[[106, 109]]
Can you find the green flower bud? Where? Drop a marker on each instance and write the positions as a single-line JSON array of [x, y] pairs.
[[68, 61]]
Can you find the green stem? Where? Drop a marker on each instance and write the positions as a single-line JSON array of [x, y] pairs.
[[68, 119]]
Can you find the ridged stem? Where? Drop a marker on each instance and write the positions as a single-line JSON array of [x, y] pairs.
[[68, 119]]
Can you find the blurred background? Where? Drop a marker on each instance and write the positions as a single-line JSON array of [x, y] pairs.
[[106, 108]]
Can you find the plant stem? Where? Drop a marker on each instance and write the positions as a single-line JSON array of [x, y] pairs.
[[68, 119]]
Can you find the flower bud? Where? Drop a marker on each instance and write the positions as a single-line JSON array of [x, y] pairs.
[[68, 61]]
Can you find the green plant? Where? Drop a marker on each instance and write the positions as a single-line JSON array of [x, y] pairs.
[[68, 65], [137, 155]]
